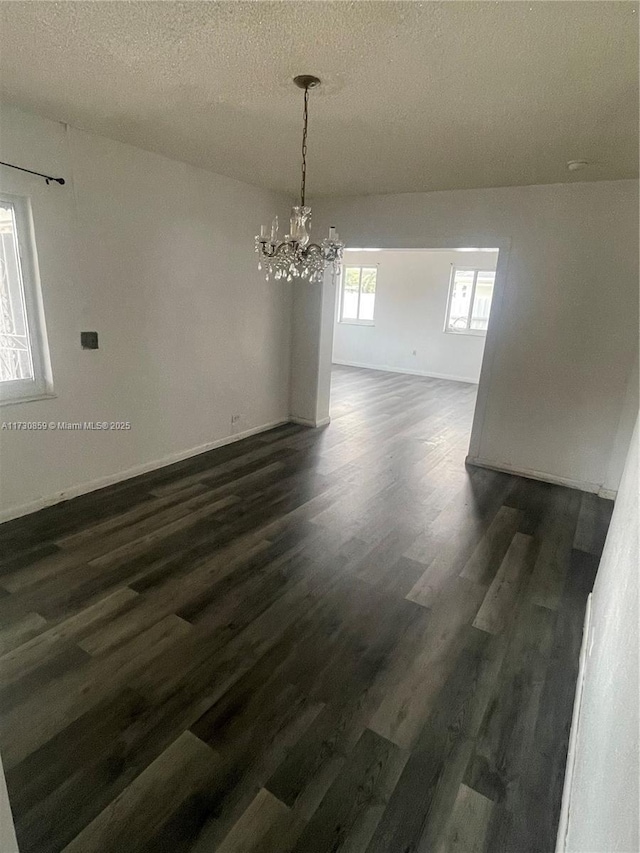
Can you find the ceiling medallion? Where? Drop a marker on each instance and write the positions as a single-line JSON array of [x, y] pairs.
[[294, 256]]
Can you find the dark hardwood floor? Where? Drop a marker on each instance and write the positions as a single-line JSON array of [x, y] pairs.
[[311, 641]]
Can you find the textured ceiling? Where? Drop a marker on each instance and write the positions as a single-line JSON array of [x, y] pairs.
[[416, 96]]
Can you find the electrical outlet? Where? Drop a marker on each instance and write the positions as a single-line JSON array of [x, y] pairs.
[[235, 423]]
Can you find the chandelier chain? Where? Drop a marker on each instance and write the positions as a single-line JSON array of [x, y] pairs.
[[304, 145]]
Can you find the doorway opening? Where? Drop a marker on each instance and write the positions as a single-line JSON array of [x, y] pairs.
[[409, 336]]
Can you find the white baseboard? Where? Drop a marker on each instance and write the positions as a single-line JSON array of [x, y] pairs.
[[607, 494], [307, 422], [386, 369], [561, 838], [543, 476], [111, 479]]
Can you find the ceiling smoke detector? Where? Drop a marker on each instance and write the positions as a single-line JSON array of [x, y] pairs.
[[576, 165]]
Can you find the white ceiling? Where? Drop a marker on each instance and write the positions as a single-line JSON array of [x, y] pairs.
[[416, 96]]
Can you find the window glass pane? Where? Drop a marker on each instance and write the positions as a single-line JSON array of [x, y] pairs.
[[352, 278], [460, 300], [15, 351], [482, 300], [368, 293], [350, 293]]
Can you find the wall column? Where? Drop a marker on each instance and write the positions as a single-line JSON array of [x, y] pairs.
[[311, 349]]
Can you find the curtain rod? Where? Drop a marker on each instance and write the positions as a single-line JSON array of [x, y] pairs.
[[48, 178]]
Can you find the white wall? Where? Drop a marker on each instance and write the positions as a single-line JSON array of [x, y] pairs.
[[628, 417], [410, 307], [601, 792], [157, 257], [563, 336], [8, 840]]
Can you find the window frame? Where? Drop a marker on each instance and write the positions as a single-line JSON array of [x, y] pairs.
[[481, 333], [350, 321], [16, 391]]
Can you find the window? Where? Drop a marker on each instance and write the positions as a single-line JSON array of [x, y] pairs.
[[358, 295], [470, 295], [24, 369]]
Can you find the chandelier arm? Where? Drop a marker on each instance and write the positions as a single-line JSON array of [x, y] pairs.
[[285, 248], [319, 247], [267, 252]]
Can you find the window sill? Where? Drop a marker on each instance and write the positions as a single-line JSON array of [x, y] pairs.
[[356, 322], [467, 333], [31, 398]]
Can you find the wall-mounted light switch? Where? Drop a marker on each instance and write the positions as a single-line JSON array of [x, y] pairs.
[[89, 340]]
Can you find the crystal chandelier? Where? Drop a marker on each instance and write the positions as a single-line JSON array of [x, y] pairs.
[[294, 256]]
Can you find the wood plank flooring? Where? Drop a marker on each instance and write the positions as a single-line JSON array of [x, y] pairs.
[[316, 641]]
